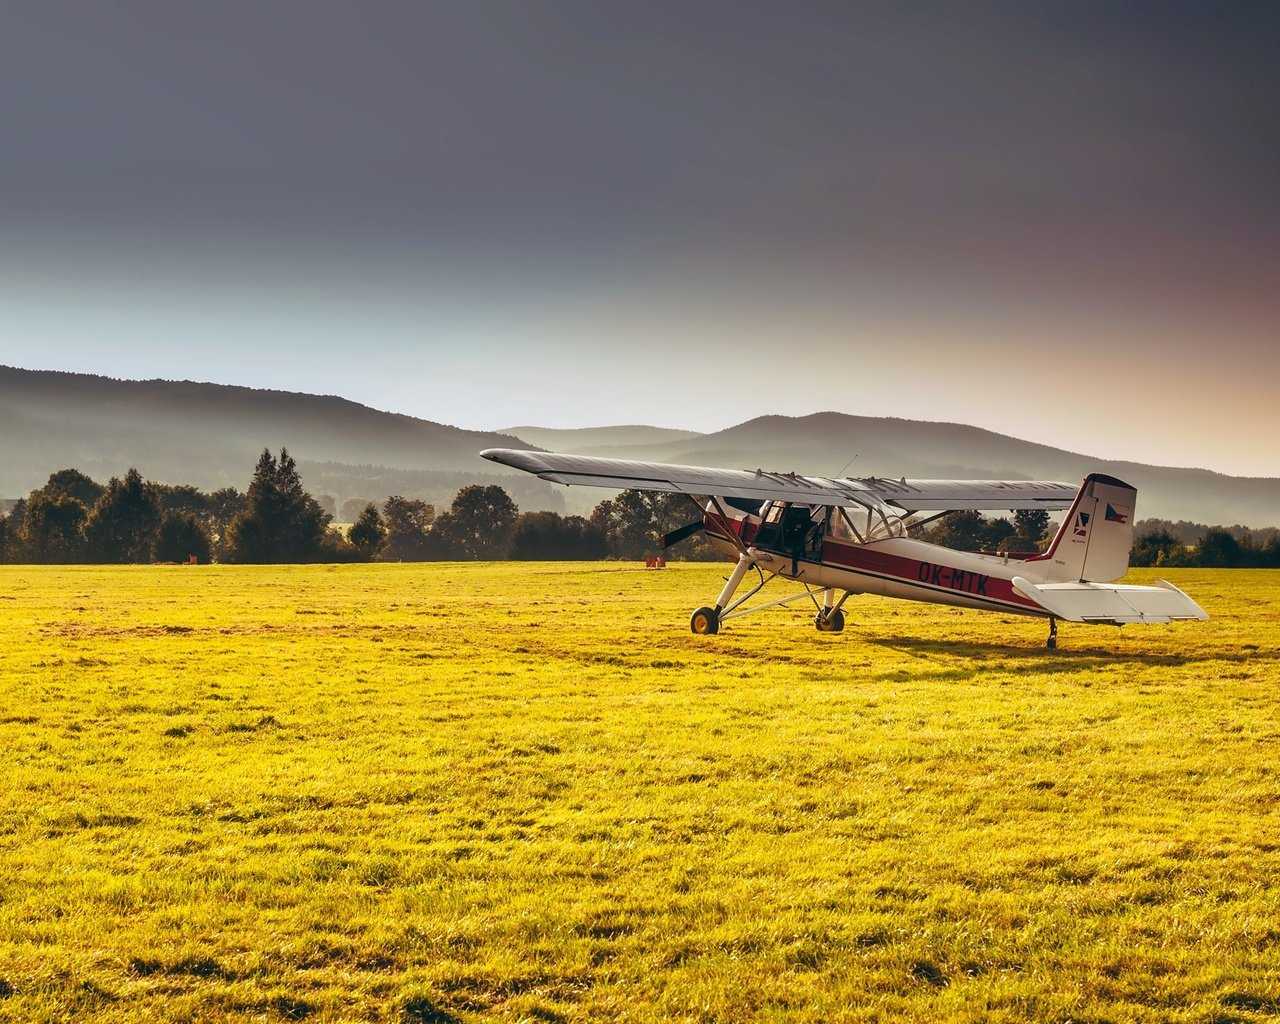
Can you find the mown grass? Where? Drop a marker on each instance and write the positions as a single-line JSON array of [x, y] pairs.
[[440, 793]]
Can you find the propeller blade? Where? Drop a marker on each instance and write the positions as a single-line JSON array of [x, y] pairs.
[[684, 533]]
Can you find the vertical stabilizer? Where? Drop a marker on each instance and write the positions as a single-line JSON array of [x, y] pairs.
[[1095, 537]]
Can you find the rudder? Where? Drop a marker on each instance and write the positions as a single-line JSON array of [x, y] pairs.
[[1093, 543]]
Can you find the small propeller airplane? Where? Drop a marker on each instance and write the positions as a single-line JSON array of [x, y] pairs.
[[850, 536]]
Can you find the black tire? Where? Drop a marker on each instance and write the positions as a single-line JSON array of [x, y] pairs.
[[833, 622], [705, 621]]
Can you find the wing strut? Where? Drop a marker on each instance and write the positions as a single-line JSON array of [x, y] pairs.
[[733, 537]]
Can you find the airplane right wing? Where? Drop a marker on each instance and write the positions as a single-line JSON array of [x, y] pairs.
[[623, 474], [955, 495], [902, 495]]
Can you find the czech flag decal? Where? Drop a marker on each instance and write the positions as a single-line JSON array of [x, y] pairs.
[[1116, 516]]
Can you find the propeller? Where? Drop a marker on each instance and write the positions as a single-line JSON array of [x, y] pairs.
[[684, 533]]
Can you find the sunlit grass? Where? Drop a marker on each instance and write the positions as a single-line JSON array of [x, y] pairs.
[[448, 792]]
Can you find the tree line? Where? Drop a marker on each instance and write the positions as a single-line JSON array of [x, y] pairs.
[[1157, 542], [75, 519], [1217, 547]]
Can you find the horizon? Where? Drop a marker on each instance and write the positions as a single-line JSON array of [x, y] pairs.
[[1054, 224], [509, 430]]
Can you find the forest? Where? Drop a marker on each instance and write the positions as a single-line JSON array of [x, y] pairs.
[[75, 519]]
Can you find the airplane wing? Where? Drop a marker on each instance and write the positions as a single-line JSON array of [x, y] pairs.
[[625, 474], [954, 495], [906, 495]]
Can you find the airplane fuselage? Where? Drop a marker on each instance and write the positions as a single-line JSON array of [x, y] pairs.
[[904, 568]]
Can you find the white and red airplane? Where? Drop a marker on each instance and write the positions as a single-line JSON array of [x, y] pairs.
[[846, 536]]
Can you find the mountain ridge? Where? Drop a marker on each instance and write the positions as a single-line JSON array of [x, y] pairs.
[[211, 434], [843, 444]]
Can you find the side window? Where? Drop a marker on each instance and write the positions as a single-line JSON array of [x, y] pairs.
[[841, 527]]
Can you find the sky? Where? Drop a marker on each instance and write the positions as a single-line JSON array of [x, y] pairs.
[[1059, 221]]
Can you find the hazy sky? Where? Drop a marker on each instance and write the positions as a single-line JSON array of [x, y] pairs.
[[1060, 221]]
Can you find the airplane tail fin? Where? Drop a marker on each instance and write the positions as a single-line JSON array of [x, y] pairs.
[[1093, 543]]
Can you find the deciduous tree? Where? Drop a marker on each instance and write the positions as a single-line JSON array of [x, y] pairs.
[[1218, 549], [180, 536], [549, 536], [408, 523], [477, 526], [51, 528], [71, 483], [635, 521], [1156, 547], [121, 526]]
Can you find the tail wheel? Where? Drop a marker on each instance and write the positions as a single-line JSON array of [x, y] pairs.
[[705, 621], [832, 622]]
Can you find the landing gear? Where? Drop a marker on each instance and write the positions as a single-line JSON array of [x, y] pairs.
[[1052, 642], [705, 621], [829, 621]]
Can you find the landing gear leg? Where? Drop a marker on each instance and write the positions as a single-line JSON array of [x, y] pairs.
[[1052, 642], [707, 620]]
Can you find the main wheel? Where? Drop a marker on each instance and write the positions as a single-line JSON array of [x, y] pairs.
[[705, 621], [832, 622]]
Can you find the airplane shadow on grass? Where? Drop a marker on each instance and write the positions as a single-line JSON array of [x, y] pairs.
[[1028, 660]]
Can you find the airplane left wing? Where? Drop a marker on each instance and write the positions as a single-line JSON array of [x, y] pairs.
[[625, 474]]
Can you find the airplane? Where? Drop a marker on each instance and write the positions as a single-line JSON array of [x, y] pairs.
[[850, 536]]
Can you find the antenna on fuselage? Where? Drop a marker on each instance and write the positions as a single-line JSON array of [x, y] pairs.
[[846, 466]]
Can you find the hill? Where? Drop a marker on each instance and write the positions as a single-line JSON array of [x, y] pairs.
[[211, 435], [599, 440], [836, 444]]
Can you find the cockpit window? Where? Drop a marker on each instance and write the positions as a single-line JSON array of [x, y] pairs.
[[863, 525], [841, 527]]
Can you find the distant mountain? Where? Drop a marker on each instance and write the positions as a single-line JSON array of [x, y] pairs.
[[831, 444], [211, 435], [599, 440]]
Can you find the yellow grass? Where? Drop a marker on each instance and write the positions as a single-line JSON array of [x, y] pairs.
[[527, 793]]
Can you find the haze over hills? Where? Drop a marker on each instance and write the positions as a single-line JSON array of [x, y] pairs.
[[837, 444], [210, 435], [593, 440]]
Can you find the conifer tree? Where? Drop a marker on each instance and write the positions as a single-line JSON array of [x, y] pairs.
[[281, 522]]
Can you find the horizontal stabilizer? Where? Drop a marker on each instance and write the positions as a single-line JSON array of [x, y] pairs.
[[1115, 603]]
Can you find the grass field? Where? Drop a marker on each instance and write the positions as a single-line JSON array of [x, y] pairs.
[[438, 793]]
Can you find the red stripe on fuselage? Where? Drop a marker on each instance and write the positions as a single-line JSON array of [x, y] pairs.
[[933, 577]]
